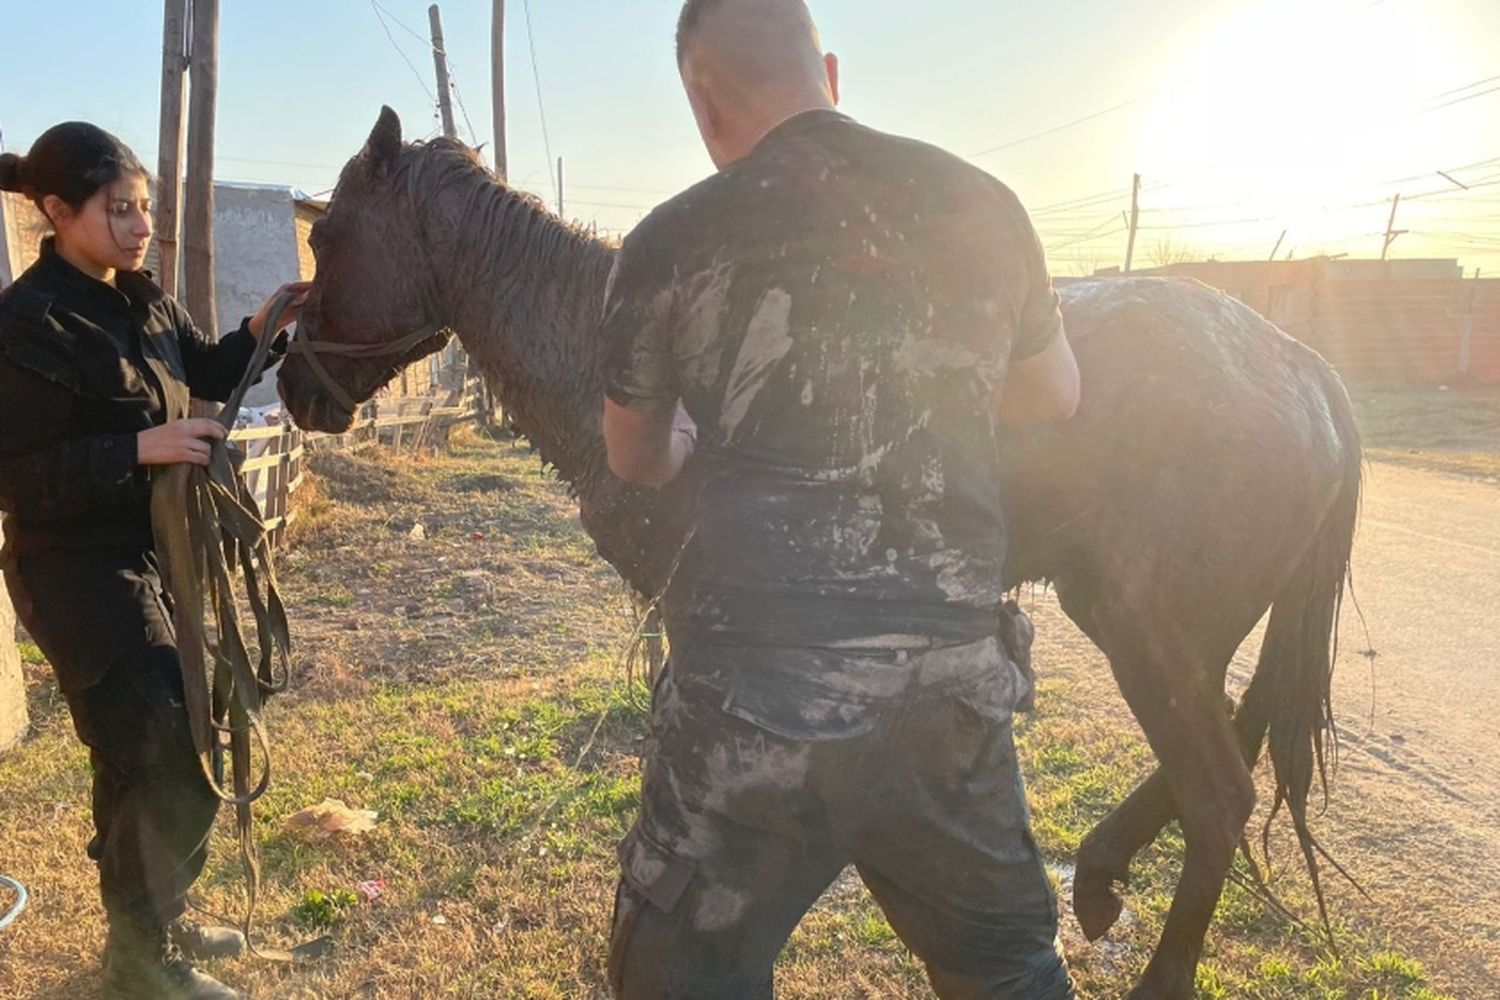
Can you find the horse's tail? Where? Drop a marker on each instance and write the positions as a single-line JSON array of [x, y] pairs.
[[1289, 698]]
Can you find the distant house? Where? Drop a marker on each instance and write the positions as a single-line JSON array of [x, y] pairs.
[[260, 244], [1416, 321]]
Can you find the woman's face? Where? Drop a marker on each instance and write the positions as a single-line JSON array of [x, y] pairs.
[[111, 230]]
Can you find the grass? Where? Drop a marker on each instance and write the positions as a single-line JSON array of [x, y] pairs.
[[320, 909], [1076, 770], [466, 687], [1443, 430]]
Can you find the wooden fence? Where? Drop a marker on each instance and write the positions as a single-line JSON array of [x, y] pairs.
[[274, 467]]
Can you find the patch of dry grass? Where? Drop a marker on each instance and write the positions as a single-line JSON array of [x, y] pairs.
[[462, 680], [1453, 431]]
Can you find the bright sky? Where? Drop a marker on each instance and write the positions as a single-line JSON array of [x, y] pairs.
[[1244, 117]]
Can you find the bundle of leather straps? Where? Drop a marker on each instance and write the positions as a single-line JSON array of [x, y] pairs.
[[213, 548]]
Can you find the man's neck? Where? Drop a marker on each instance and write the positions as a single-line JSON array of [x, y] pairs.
[[776, 123], [778, 116]]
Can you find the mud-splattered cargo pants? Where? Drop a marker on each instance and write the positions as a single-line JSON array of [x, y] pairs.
[[742, 828]]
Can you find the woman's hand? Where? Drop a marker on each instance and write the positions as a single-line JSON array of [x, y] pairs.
[[288, 315], [178, 441]]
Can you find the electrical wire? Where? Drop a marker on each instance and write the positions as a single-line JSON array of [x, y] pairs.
[[541, 108]]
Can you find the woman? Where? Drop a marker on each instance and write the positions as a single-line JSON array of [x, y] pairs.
[[97, 365]]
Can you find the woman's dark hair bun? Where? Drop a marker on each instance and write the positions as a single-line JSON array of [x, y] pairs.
[[11, 167]]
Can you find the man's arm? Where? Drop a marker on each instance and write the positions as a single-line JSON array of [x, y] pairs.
[[1041, 384], [647, 436], [1042, 388], [647, 447]]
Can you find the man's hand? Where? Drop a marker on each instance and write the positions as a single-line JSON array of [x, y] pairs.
[[1041, 389], [178, 441], [648, 447]]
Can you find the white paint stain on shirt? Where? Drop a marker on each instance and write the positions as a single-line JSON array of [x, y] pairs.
[[766, 342]]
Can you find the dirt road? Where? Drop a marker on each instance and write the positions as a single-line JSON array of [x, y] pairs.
[[1417, 803], [1415, 806]]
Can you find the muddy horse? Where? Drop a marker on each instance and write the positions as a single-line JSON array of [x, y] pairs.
[[1213, 472]]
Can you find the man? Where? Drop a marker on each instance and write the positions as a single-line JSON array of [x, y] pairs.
[[841, 319]]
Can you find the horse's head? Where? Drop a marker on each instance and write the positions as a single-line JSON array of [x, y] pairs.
[[373, 305]]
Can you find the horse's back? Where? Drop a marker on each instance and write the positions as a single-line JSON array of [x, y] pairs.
[[1201, 461]]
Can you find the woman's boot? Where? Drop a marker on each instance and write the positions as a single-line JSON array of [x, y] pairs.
[[144, 963]]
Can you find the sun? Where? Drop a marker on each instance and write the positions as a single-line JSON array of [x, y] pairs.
[[1295, 107]]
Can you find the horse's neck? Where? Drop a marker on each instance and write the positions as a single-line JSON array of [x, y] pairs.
[[524, 294]]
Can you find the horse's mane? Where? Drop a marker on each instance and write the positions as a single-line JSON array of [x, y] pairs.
[[492, 206]]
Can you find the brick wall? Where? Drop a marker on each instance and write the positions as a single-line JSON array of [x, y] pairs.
[[1388, 321]]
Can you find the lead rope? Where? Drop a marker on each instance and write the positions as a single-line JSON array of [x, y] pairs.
[[212, 543]]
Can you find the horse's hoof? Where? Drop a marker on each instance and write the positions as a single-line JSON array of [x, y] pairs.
[[1096, 905], [1170, 988]]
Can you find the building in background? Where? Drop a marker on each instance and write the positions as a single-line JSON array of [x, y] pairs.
[[1415, 321]]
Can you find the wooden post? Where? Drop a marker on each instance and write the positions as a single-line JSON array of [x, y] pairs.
[[1135, 220], [198, 225], [440, 63], [497, 85], [13, 719], [169, 141]]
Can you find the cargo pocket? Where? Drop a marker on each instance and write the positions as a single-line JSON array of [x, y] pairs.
[[655, 873], [650, 875]]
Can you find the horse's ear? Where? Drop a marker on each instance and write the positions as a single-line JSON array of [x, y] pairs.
[[385, 138]]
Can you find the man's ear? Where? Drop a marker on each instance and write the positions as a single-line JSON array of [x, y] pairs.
[[705, 111], [831, 64]]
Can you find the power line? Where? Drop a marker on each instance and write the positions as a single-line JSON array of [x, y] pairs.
[[1226, 223], [1090, 236], [540, 107], [1450, 170], [425, 40], [613, 187], [1081, 202], [1059, 128], [610, 204], [452, 66], [1460, 90], [459, 97], [1460, 100], [380, 16]]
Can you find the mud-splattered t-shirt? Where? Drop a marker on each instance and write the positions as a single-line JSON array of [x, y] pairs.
[[836, 312]]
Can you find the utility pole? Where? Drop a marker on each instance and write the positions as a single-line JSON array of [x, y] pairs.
[[559, 187], [440, 62], [497, 84], [1135, 220], [198, 222], [174, 61], [1277, 247], [1391, 232]]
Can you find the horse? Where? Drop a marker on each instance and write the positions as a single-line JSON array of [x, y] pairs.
[[1213, 472]]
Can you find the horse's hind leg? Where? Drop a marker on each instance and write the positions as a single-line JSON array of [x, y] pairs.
[[1190, 731], [1105, 855]]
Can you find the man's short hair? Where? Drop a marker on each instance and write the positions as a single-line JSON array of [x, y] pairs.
[[693, 12]]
